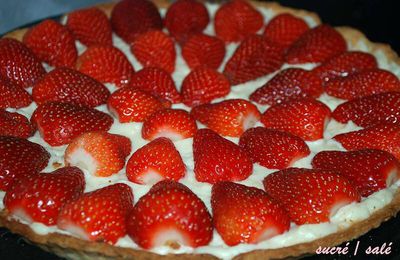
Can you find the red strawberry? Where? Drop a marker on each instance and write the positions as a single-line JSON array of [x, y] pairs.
[[170, 214], [185, 18], [316, 45], [155, 161], [273, 149], [304, 117], [52, 43], [203, 50], [106, 64], [252, 59], [243, 214], [369, 170], [310, 196], [98, 215], [218, 159], [132, 17], [202, 85], [15, 124], [175, 124], [19, 156], [12, 95], [364, 83], [59, 123], [39, 197], [288, 84], [237, 19], [68, 85], [229, 118], [90, 26], [100, 153], [18, 64]]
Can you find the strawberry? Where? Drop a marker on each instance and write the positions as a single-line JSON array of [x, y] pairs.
[[304, 117], [90, 26], [58, 123], [155, 161], [218, 159], [39, 197], [106, 64], [273, 149], [202, 85], [185, 18], [203, 50], [130, 18], [68, 85], [310, 196], [364, 83], [100, 153], [288, 84], [369, 170], [52, 43], [316, 45], [170, 214], [98, 215], [18, 157], [175, 124], [12, 95], [228, 118], [18, 64], [253, 58], [157, 82], [15, 124], [243, 214], [237, 19]]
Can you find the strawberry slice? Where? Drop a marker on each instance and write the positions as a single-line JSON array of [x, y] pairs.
[[98, 215], [39, 197], [316, 45], [273, 149], [59, 123], [243, 214], [155, 161], [229, 117], [288, 84], [18, 64], [304, 117], [12, 95], [52, 43], [175, 124], [203, 85], [218, 159], [14, 124], [254, 57], [170, 214], [369, 170], [310, 196], [90, 26], [100, 153], [364, 83], [68, 85], [237, 19]]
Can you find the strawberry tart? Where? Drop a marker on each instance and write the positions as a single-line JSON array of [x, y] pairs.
[[240, 130]]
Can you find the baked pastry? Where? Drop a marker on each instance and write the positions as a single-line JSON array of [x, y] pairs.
[[258, 101]]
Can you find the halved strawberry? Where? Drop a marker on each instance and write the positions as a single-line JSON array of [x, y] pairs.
[[175, 124], [14, 124], [52, 43], [273, 149], [99, 215], [316, 45], [12, 95], [243, 214], [39, 197], [288, 84], [369, 170], [218, 159], [310, 196], [170, 214], [304, 117], [59, 123], [229, 117]]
